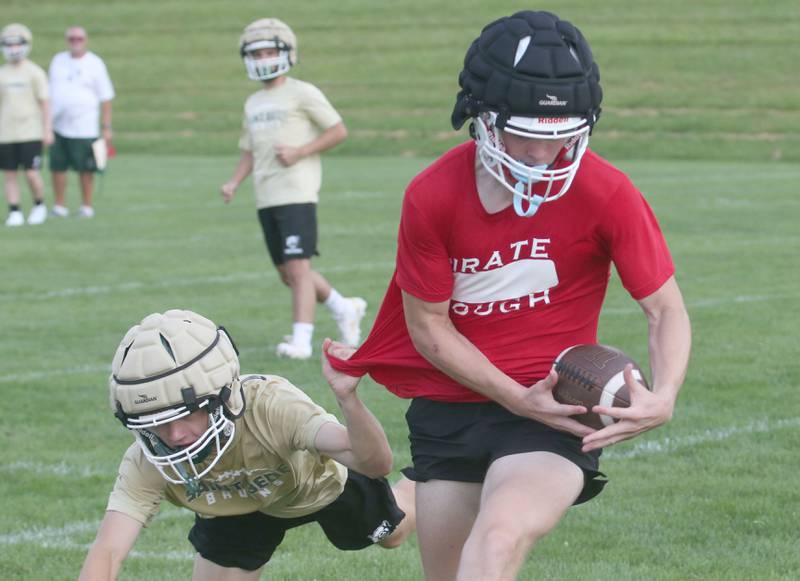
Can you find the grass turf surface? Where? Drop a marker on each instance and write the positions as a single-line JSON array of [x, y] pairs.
[[712, 495], [708, 496]]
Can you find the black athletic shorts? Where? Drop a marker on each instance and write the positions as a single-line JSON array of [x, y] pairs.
[[27, 154], [365, 513], [290, 231], [459, 441]]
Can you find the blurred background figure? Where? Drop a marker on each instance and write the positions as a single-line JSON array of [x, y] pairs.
[[82, 93], [24, 123], [287, 124]]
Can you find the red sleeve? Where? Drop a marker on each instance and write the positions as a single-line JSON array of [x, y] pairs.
[[636, 243], [423, 263]]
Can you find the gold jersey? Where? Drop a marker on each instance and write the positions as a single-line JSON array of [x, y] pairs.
[[271, 465], [23, 87], [294, 113]]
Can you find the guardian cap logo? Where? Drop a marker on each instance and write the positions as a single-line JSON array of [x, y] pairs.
[[552, 101]]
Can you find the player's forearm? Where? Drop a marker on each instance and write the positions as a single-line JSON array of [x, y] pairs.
[[328, 139], [453, 354], [44, 104], [105, 113], [99, 566], [370, 449], [243, 168], [670, 340]]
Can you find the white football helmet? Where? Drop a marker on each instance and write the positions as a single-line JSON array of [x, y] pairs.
[[17, 41], [268, 33], [167, 367]]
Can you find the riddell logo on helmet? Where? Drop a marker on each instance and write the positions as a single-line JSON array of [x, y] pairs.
[[551, 101], [144, 399], [552, 120]]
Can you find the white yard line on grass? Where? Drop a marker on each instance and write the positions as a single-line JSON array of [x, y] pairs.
[[61, 538], [268, 277], [676, 443], [710, 303], [77, 370], [60, 469]]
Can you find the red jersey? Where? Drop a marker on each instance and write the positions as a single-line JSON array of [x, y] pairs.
[[520, 289]]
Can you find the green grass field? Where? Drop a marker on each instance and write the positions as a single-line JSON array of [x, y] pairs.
[[712, 495], [701, 110]]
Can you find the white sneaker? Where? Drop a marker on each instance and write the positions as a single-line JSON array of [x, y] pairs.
[[59, 211], [289, 350], [86, 212], [38, 214], [15, 218], [349, 323]]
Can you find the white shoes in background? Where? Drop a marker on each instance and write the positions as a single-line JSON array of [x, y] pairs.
[[290, 350], [59, 211], [38, 215], [349, 322], [15, 218]]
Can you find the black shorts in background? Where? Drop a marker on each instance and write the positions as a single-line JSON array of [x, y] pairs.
[[290, 231], [72, 153], [365, 513], [459, 441], [27, 154]]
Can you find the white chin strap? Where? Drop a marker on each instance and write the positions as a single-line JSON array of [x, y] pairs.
[[269, 68], [499, 164]]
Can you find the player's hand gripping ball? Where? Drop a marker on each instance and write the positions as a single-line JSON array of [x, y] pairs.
[[591, 375]]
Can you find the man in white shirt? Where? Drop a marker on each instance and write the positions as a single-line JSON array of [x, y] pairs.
[[81, 92]]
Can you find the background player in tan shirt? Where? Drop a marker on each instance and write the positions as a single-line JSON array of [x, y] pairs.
[[24, 123], [286, 125], [252, 455]]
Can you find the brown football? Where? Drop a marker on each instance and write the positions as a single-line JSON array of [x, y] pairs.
[[591, 375]]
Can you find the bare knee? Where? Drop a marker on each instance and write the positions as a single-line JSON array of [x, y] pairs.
[[504, 541]]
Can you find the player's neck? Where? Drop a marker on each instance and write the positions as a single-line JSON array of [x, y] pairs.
[[493, 196]]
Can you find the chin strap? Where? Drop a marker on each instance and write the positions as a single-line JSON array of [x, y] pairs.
[[533, 203], [521, 187]]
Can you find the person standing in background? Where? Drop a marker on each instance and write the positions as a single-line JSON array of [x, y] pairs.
[[82, 93], [287, 124], [24, 123]]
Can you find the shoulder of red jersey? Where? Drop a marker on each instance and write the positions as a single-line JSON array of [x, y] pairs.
[[456, 161], [598, 169]]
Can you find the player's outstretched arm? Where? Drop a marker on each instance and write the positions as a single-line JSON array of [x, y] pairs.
[[361, 443], [670, 339], [243, 169], [437, 340], [115, 538]]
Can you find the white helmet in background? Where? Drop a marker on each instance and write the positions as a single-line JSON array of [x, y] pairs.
[[531, 75], [268, 33], [17, 41], [167, 367]]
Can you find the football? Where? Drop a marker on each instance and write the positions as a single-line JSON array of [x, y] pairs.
[[590, 375]]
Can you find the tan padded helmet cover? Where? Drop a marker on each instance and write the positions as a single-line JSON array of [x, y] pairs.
[[268, 29], [17, 30], [143, 353]]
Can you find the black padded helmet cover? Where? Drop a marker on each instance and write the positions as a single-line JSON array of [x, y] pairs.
[[551, 74]]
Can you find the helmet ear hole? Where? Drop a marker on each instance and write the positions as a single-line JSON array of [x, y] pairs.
[[167, 347]]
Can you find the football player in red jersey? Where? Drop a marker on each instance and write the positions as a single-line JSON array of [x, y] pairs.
[[504, 254]]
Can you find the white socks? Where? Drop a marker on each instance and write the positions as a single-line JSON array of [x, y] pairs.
[[337, 304], [302, 333]]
